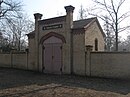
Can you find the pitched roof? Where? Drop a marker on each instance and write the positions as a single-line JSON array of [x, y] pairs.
[[79, 24], [82, 23], [53, 20]]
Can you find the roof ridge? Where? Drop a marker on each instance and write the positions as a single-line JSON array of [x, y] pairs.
[[52, 18], [82, 23], [85, 19]]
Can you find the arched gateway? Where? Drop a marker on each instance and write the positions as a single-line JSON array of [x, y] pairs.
[[52, 53], [58, 44]]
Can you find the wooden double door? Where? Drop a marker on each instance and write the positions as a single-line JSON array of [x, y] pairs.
[[52, 58]]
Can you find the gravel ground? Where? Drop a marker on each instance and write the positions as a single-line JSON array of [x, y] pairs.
[[21, 83]]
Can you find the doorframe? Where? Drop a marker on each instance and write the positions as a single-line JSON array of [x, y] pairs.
[[45, 37], [50, 34]]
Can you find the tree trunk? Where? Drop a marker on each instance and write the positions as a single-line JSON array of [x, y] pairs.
[[116, 33]]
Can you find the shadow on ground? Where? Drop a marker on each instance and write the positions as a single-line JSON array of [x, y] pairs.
[[10, 78]]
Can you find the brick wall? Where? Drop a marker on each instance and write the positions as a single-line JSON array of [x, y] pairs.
[[110, 64], [14, 60], [79, 54], [93, 32]]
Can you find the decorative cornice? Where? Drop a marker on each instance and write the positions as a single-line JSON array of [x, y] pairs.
[[52, 34], [52, 20]]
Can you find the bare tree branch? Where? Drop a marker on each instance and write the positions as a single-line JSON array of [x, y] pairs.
[[9, 7], [115, 17], [123, 29], [123, 17], [120, 3]]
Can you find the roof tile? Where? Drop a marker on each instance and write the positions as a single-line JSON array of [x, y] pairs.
[[82, 23]]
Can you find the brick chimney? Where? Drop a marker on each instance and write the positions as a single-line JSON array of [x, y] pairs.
[[37, 17], [69, 24], [69, 15]]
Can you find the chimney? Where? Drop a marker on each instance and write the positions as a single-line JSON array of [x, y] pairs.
[[69, 15], [37, 17]]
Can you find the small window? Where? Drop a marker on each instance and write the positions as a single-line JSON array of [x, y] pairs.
[[96, 44]]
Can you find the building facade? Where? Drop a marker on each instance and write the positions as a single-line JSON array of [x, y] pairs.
[[58, 45]]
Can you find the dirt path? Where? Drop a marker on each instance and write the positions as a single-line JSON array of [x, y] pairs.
[[20, 83]]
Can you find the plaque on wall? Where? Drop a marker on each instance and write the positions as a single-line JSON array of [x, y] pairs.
[[56, 26]]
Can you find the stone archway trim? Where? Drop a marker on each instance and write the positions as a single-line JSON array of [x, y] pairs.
[[52, 34]]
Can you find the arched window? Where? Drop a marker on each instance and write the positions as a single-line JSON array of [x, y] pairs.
[[96, 44]]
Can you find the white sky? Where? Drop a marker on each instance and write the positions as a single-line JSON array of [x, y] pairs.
[[54, 8]]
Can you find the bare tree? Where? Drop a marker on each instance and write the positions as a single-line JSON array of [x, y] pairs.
[[82, 13], [109, 39], [9, 9], [112, 9], [125, 44], [16, 30], [4, 47]]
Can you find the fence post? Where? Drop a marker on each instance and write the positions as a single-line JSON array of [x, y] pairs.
[[88, 60]]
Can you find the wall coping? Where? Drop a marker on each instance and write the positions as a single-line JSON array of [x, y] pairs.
[[4, 53], [13, 53], [114, 52], [18, 52]]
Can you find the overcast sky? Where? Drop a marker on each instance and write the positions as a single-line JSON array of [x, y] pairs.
[[54, 8]]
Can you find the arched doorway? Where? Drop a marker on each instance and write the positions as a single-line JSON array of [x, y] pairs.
[[52, 54]]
